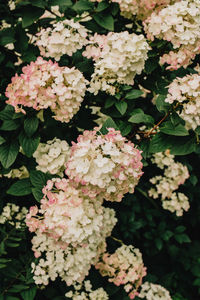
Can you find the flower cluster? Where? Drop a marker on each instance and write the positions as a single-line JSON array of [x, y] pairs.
[[52, 156], [84, 292], [186, 91], [125, 266], [13, 215], [151, 291], [175, 174], [20, 173], [66, 37], [179, 24], [70, 232], [44, 84], [119, 56], [107, 165], [142, 9]]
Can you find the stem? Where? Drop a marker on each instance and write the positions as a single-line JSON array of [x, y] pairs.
[[117, 240], [147, 197], [155, 126]]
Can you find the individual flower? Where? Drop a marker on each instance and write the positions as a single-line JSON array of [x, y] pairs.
[[65, 37], [123, 267], [118, 57], [52, 156], [186, 92], [179, 24], [44, 84], [107, 165], [151, 291]]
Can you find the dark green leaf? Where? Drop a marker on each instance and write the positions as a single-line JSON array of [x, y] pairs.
[[133, 94], [169, 128], [102, 6], [105, 20], [20, 188], [109, 123], [37, 193], [7, 36], [30, 15], [8, 153], [83, 5], [161, 104], [38, 179], [9, 125], [31, 125], [29, 294], [2, 140], [29, 144], [121, 107]]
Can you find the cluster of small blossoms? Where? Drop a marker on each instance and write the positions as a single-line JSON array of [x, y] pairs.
[[151, 291], [66, 37], [179, 24], [52, 156], [174, 175], [118, 57], [142, 9], [44, 84], [186, 91], [106, 165], [12, 4], [13, 215], [125, 266], [20, 173], [70, 232], [84, 292]]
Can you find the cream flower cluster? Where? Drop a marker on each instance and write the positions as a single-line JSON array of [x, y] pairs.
[[20, 173], [44, 84], [106, 165], [119, 56], [151, 291], [175, 174], [70, 228], [14, 215], [84, 292], [125, 266], [52, 156], [186, 91], [141, 8], [66, 37], [179, 24]]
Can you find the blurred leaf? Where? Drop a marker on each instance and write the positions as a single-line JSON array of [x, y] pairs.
[[20, 188]]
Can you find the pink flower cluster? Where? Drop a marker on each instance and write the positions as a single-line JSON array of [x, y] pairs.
[[125, 266], [179, 24], [44, 84], [106, 165]]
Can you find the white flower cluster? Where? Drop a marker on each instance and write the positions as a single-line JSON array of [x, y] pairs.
[[125, 266], [174, 175], [70, 232], [20, 173], [84, 292], [13, 215], [179, 24], [52, 156], [12, 4], [151, 291], [186, 91], [119, 57], [107, 165], [66, 37]]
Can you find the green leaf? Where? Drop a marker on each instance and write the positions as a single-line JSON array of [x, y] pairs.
[[161, 104], [9, 125], [16, 288], [133, 94], [167, 235], [7, 113], [29, 144], [7, 36], [37, 193], [121, 107], [150, 65], [83, 5], [2, 140], [20, 188], [102, 6], [31, 125], [159, 243], [182, 238], [60, 2], [109, 123], [109, 102], [177, 145], [169, 128], [38, 179], [105, 20], [8, 153], [29, 294], [140, 117], [30, 15]]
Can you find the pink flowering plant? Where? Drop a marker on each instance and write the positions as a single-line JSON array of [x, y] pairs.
[[99, 149]]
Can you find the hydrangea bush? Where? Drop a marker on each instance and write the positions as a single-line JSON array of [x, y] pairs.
[[99, 149]]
